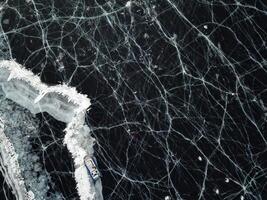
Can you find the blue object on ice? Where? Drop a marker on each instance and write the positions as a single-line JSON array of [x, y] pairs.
[[91, 167]]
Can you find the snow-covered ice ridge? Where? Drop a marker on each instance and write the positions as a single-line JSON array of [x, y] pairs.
[[64, 104]]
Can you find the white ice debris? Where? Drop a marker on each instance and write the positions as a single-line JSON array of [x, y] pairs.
[[128, 4], [6, 21], [64, 104], [167, 198], [217, 191]]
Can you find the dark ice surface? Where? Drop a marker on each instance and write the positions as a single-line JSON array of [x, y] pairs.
[[178, 89]]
